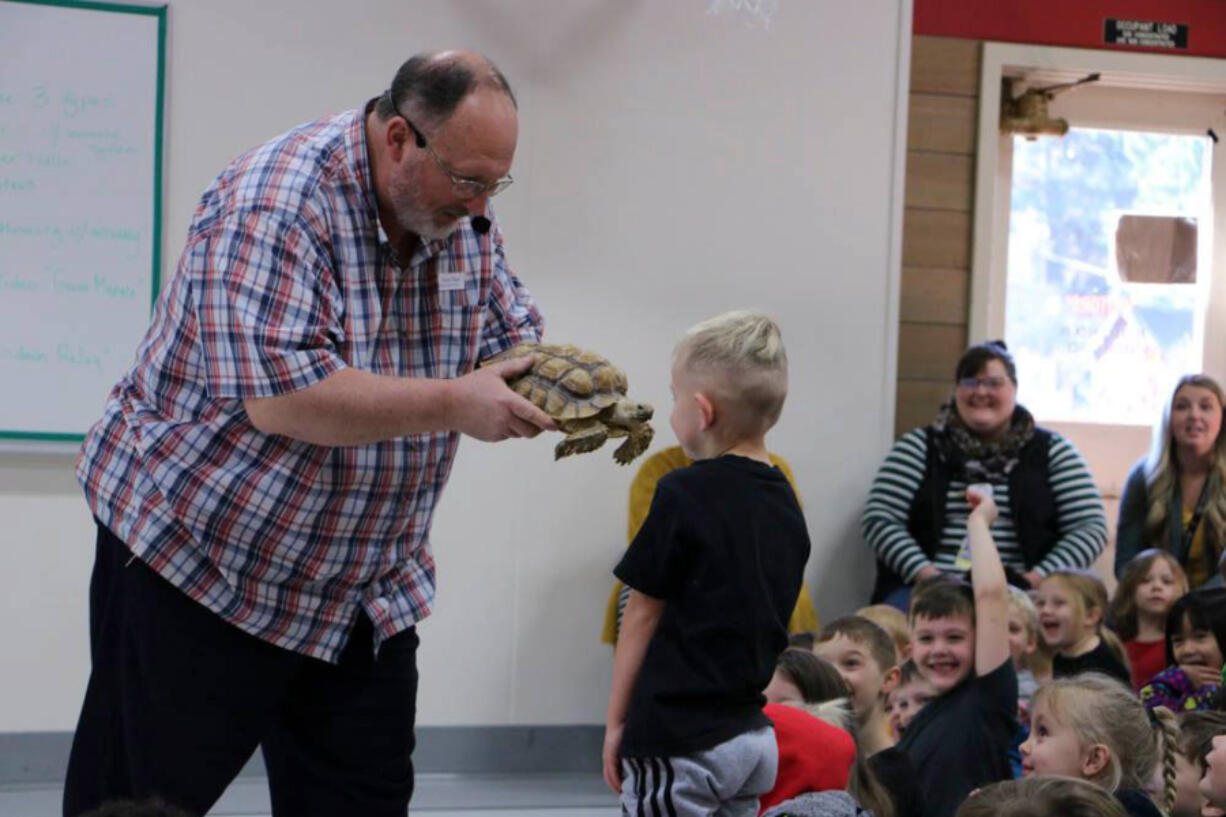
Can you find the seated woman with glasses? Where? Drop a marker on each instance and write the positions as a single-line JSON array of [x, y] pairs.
[[1175, 497], [1051, 511]]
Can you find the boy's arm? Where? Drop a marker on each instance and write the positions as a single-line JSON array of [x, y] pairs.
[[639, 622], [991, 588]]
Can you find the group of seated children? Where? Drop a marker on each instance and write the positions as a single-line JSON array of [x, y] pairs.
[[990, 702], [932, 713]]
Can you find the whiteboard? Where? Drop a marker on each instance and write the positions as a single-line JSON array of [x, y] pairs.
[[80, 159]]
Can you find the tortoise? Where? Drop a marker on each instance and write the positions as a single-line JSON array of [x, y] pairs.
[[585, 395]]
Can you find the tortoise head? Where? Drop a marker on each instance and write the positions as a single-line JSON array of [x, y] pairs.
[[628, 413]]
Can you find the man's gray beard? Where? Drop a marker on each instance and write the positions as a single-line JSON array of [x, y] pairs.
[[423, 227], [417, 221]]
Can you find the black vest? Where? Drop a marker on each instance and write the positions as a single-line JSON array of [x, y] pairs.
[[1030, 497]]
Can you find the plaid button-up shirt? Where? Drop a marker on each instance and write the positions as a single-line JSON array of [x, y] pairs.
[[286, 278]]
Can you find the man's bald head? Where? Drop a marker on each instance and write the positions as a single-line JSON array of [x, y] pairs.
[[431, 86]]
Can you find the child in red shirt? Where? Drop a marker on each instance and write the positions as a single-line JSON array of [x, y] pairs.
[[1151, 582]]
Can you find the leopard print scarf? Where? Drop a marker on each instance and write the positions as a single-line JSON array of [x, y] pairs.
[[977, 460]]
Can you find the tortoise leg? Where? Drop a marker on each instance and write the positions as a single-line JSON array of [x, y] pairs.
[[581, 441], [634, 445]]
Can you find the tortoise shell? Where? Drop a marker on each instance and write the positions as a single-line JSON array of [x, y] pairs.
[[566, 382]]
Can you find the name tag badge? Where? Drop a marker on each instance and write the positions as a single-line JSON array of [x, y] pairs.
[[450, 281]]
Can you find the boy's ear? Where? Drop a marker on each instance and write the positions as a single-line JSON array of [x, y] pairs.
[[889, 681], [706, 410], [1095, 760]]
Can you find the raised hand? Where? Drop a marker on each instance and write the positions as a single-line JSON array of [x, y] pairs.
[[982, 504]]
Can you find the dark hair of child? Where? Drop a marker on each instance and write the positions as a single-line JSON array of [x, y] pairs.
[[908, 672], [816, 679], [1196, 733], [865, 632], [942, 598], [1042, 796], [1203, 609], [803, 640]]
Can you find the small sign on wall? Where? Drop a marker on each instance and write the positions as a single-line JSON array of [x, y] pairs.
[[1145, 33]]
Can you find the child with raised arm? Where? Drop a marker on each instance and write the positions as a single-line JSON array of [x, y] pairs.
[[959, 641], [714, 572]]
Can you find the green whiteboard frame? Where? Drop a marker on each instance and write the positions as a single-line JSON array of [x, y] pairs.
[[158, 11]]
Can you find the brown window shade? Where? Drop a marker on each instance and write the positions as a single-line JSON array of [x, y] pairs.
[[1156, 249]]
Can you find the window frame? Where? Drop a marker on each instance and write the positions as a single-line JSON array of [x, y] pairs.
[[1109, 449]]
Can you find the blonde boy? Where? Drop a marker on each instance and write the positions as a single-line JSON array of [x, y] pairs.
[[714, 572], [1024, 647], [959, 642], [894, 622]]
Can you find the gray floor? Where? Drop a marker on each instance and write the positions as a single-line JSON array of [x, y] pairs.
[[556, 795]]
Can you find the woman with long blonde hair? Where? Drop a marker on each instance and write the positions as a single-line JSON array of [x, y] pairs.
[[1175, 498]]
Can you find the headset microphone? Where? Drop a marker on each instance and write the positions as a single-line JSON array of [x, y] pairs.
[[481, 225]]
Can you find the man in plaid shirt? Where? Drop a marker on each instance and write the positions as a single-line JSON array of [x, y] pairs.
[[265, 474]]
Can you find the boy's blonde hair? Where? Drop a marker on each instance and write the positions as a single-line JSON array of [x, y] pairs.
[[893, 621], [1020, 600], [1038, 660], [739, 360], [1101, 710]]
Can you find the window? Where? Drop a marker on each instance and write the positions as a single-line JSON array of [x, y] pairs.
[[1103, 297], [1082, 284]]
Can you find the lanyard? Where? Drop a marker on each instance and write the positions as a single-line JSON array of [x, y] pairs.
[[1190, 531]]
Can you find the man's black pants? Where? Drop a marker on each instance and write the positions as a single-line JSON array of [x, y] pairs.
[[178, 700]]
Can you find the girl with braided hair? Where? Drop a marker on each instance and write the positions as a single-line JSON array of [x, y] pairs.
[[1092, 727]]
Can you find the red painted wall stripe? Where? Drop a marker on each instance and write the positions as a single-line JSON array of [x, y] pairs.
[[1074, 23]]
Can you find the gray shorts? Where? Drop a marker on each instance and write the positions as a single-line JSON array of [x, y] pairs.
[[725, 780]]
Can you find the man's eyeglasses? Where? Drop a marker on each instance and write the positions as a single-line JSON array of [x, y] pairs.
[[466, 187], [989, 383]]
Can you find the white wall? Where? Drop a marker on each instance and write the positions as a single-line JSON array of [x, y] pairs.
[[673, 164]]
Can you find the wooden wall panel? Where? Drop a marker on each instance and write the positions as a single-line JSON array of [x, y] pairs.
[[945, 65], [940, 181], [929, 351], [934, 295], [919, 401], [936, 238], [933, 317], [942, 124]]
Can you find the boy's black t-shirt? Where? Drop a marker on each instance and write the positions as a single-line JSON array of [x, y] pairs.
[[725, 546], [1100, 659], [895, 772], [960, 740]]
